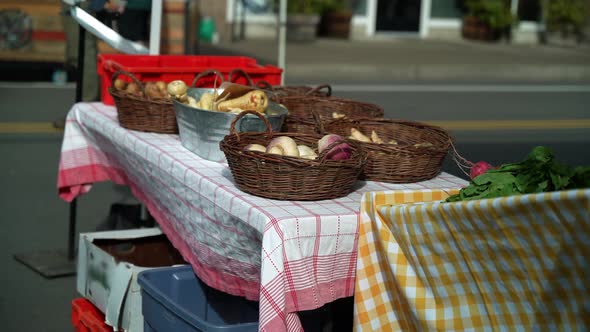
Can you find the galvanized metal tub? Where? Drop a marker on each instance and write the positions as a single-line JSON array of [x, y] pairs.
[[201, 130]]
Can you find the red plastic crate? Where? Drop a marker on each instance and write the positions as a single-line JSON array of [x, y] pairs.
[[180, 67], [87, 318]]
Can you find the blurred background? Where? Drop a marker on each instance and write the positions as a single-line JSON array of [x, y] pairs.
[[502, 76]]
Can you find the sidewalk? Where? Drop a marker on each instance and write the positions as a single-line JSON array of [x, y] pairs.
[[406, 59]]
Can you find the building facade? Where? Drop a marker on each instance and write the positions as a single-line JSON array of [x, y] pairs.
[[372, 19]]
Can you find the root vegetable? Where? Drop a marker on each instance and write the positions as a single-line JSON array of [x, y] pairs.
[[183, 98], [339, 151], [207, 101], [255, 100], [357, 135], [276, 150], [479, 168], [375, 138], [152, 91], [120, 84], [192, 102], [286, 144], [133, 88], [306, 152], [255, 147], [177, 88], [161, 86]]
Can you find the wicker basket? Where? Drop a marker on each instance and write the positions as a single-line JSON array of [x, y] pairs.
[[302, 110], [276, 92], [289, 178], [143, 113], [401, 163]]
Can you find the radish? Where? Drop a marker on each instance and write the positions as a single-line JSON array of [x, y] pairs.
[[479, 168], [337, 152]]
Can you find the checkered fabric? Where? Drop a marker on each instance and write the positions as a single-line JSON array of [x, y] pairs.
[[517, 263], [289, 255]]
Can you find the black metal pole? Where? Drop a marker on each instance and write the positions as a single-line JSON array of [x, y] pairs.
[[79, 85], [80, 68], [72, 230]]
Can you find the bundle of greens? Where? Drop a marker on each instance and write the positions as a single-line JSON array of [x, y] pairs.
[[539, 172]]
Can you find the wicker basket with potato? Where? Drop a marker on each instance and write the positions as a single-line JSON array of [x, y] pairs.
[[143, 106]]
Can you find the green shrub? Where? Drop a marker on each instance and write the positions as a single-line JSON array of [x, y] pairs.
[[566, 15], [495, 13]]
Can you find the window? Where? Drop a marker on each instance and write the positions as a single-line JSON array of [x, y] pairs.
[[446, 9]]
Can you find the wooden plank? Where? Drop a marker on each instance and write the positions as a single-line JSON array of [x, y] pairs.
[[31, 56], [34, 9]]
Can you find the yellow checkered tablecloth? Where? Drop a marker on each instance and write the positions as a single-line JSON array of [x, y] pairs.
[[516, 263]]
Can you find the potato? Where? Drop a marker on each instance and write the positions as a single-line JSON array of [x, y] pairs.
[[120, 84], [152, 91], [133, 88], [161, 86]]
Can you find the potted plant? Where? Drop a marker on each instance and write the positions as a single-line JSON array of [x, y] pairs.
[[335, 19], [567, 17], [487, 19], [303, 17]]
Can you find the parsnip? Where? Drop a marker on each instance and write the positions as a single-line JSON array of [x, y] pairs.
[[423, 145], [193, 102], [255, 100], [375, 138], [357, 135], [336, 115], [206, 101]]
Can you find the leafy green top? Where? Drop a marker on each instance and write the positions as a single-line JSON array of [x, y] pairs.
[[539, 172]]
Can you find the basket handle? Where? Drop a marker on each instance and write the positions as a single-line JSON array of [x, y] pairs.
[[112, 65], [232, 127], [320, 87], [207, 73], [319, 126], [135, 80], [242, 72], [264, 85]]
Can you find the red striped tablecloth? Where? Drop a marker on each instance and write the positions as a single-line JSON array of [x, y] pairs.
[[289, 255]]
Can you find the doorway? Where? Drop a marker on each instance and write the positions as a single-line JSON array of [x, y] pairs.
[[398, 16]]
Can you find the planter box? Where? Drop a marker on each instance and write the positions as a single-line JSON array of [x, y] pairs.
[[302, 28], [473, 28], [335, 24]]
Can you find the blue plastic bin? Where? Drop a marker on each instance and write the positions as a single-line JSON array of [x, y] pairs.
[[174, 299]]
